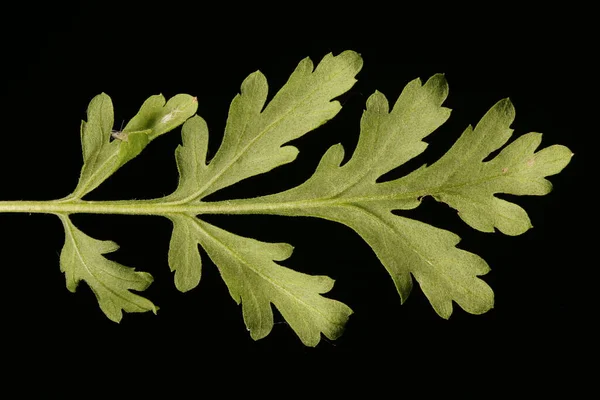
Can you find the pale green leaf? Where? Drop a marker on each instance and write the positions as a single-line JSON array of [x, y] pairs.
[[191, 155], [405, 246], [159, 117], [81, 259], [255, 134], [103, 157], [254, 142], [95, 133], [256, 281], [184, 258], [349, 193], [464, 182]]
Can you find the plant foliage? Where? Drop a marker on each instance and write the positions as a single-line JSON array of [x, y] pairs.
[[254, 142]]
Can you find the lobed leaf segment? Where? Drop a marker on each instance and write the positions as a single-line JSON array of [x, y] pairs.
[[254, 143]]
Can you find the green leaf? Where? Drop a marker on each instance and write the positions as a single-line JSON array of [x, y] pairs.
[[95, 133], [184, 258], [405, 246], [464, 182], [81, 259], [252, 145], [351, 195], [255, 142], [256, 281], [255, 134], [159, 117], [191, 155], [103, 157]]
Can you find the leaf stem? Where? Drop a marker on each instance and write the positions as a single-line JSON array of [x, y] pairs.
[[162, 207], [145, 207]]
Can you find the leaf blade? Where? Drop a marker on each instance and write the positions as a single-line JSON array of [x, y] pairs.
[[350, 194], [462, 180], [254, 140], [184, 258], [95, 133], [103, 157], [81, 259], [256, 281], [160, 116]]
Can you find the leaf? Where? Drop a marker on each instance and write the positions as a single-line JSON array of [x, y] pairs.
[[159, 117], [256, 281], [464, 182], [191, 155], [95, 133], [81, 259], [103, 157], [254, 136], [184, 258], [349, 193], [252, 145], [255, 142], [405, 246]]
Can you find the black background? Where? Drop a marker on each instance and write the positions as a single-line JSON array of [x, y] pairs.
[[57, 57]]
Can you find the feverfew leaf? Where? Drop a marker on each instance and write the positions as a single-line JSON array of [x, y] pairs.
[[103, 157], [184, 258], [349, 193], [81, 259], [159, 117], [254, 136], [464, 182], [191, 155], [405, 246], [254, 143], [95, 133], [255, 280]]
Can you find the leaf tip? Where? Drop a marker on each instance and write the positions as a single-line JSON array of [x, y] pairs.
[[353, 57], [258, 333], [289, 153], [186, 280], [377, 102], [506, 107], [444, 310], [148, 278], [116, 319], [306, 66], [438, 87]]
